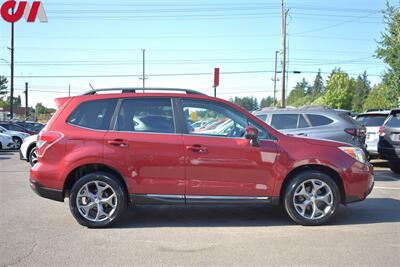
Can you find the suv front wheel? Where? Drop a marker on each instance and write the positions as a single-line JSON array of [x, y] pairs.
[[97, 200], [311, 198]]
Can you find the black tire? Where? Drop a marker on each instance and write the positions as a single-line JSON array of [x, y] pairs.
[[395, 166], [294, 185], [121, 199], [32, 157], [17, 141]]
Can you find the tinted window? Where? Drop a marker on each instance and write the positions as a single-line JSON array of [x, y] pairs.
[[284, 121], [394, 121], [220, 120], [318, 120], [151, 115], [302, 122], [93, 114], [372, 120], [262, 117]]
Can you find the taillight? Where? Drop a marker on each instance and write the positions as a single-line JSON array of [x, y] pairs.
[[46, 139], [359, 132], [381, 131]]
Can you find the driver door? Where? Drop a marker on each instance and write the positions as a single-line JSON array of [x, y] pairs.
[[219, 160]]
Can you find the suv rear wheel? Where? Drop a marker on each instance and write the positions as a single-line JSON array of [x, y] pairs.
[[97, 200], [311, 198]]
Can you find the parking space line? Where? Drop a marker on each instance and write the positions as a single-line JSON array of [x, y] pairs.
[[390, 188], [390, 178]]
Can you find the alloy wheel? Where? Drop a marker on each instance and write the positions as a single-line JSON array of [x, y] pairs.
[[96, 201], [313, 199], [34, 157]]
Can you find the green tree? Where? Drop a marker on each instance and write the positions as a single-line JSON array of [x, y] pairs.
[[339, 91], [3, 86], [17, 101], [267, 102], [389, 50], [318, 86], [248, 103], [362, 89], [377, 98], [297, 97]]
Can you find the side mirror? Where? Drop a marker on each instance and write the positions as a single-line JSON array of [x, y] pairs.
[[251, 133]]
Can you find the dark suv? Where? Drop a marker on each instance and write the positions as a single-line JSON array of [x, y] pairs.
[[389, 140], [105, 151]]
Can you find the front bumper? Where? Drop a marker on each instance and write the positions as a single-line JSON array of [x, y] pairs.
[[361, 183], [53, 194]]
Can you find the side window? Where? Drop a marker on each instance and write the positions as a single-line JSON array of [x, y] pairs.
[[152, 115], [318, 120], [394, 120], [219, 120], [302, 122], [262, 117], [93, 114], [284, 121]]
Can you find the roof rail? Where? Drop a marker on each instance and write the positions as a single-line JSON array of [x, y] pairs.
[[133, 90]]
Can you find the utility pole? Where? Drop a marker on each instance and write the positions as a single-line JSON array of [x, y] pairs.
[[275, 78], [69, 90], [12, 71], [26, 101], [284, 15], [144, 68]]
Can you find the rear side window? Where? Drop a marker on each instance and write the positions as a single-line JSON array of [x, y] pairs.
[[394, 121], [318, 120], [153, 115], [93, 114], [262, 117], [284, 121], [372, 120]]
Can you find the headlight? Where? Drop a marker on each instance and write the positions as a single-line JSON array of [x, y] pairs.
[[354, 152]]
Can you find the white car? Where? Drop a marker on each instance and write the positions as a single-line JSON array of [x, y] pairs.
[[17, 137], [6, 142], [28, 150]]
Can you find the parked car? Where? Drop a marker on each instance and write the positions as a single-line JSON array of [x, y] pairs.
[[28, 150], [372, 122], [92, 153], [316, 122], [6, 142], [17, 137], [389, 140], [31, 125], [14, 127]]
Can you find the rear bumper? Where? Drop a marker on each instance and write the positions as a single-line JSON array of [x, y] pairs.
[[53, 194]]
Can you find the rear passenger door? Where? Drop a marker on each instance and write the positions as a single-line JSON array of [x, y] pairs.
[[290, 123], [144, 142]]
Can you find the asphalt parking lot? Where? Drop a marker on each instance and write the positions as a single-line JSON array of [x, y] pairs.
[[40, 232]]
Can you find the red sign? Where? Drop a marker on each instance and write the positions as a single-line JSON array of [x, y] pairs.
[[216, 77], [11, 13]]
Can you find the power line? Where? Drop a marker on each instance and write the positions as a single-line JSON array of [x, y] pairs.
[[336, 24], [168, 74]]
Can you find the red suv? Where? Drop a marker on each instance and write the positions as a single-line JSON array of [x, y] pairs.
[[105, 151]]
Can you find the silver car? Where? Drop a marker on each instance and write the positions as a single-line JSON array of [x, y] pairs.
[[372, 122], [315, 122]]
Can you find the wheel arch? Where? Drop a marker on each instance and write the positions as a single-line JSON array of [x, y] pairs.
[[29, 149], [82, 170], [314, 167]]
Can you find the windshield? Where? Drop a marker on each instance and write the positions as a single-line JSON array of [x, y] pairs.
[[371, 120]]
